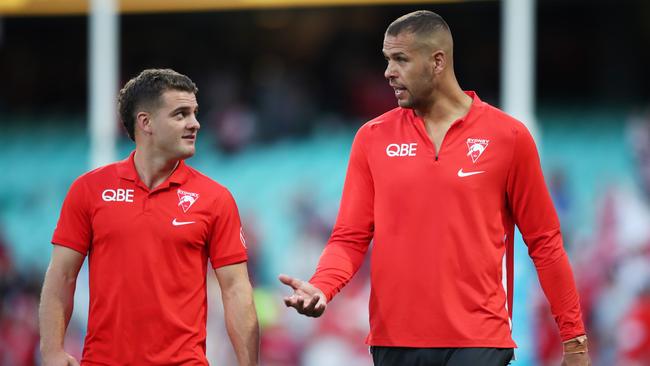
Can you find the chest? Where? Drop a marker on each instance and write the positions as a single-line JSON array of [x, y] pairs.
[[436, 134], [128, 217], [457, 160]]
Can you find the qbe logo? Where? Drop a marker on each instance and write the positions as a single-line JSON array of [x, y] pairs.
[[118, 195], [393, 150]]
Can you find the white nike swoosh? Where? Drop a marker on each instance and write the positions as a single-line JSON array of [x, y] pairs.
[[461, 173], [179, 223]]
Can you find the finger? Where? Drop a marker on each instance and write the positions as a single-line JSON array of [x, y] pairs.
[[311, 304], [290, 301], [318, 310], [295, 302], [72, 361], [290, 281], [302, 304], [287, 302]]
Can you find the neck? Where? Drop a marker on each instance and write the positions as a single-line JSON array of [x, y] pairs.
[[153, 169], [446, 106]]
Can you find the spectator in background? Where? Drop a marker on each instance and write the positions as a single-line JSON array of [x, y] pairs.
[[282, 100], [442, 216], [149, 225], [18, 309], [234, 123], [634, 332], [614, 263], [235, 128], [630, 236]]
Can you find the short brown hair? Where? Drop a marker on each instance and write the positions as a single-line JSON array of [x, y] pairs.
[[144, 91], [420, 23]]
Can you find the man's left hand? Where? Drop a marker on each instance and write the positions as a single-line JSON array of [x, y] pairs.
[[576, 352]]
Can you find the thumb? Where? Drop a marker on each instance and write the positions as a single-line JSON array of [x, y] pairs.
[[290, 281]]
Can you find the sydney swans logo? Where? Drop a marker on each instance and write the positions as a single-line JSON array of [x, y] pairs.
[[476, 148], [186, 199]]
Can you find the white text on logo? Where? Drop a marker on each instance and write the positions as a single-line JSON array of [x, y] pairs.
[[476, 147], [118, 195], [186, 199], [393, 150]]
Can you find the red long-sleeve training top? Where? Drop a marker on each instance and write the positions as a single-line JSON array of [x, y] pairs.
[[441, 228]]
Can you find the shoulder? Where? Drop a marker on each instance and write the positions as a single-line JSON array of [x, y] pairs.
[[98, 175], [395, 115], [497, 119], [91, 183], [206, 185], [388, 120]]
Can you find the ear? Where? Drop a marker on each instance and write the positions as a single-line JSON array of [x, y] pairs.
[[143, 122], [439, 61]]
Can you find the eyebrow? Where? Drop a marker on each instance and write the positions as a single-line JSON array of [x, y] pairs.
[[400, 53], [185, 108]]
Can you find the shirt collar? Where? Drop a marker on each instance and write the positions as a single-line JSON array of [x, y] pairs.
[[126, 170], [474, 110]]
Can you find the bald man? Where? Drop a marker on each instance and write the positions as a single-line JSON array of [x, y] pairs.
[[438, 185]]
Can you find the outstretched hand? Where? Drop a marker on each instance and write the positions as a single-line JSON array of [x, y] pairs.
[[307, 299]]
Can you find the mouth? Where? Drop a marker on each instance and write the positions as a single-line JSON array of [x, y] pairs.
[[399, 90], [189, 137]]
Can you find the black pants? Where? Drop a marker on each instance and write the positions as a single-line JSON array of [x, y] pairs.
[[404, 356]]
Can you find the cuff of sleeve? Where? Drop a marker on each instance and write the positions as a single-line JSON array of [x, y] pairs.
[[233, 259], [76, 247], [329, 294], [574, 333]]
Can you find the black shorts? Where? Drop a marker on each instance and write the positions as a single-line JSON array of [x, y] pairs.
[[405, 356]]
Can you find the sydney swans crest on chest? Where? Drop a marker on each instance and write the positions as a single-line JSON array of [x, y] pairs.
[[476, 147], [186, 199]]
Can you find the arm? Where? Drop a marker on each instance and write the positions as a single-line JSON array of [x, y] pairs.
[[240, 315], [348, 244], [56, 304], [534, 214]]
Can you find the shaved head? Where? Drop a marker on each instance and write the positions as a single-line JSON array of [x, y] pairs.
[[428, 27]]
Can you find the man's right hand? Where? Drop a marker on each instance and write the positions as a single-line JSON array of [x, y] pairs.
[[307, 299], [59, 359]]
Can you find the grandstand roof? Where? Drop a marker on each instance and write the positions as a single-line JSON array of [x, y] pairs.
[[80, 7]]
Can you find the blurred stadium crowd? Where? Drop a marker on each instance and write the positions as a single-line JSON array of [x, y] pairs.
[[282, 93]]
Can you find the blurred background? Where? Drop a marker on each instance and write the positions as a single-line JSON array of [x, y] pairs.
[[283, 87]]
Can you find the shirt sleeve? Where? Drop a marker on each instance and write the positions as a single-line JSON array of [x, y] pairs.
[[535, 216], [348, 244], [227, 244], [74, 228]]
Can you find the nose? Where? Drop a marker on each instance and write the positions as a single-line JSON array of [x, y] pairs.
[[389, 73], [194, 124]]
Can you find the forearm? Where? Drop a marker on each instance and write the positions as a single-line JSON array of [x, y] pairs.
[[335, 269], [559, 287], [241, 322], [341, 259], [57, 299]]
